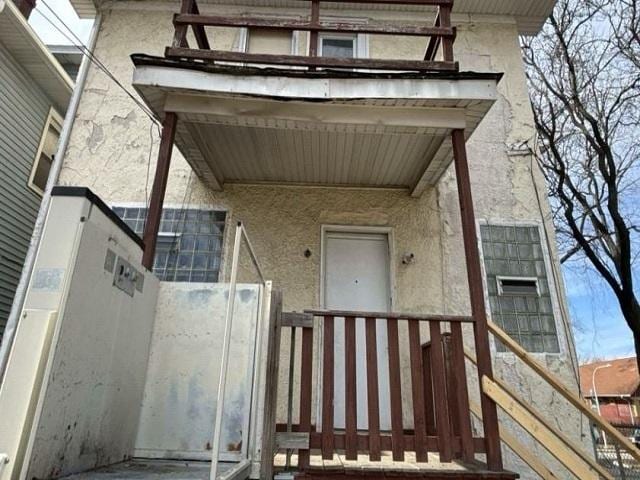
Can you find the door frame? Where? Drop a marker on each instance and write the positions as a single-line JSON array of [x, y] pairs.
[[329, 228], [319, 340]]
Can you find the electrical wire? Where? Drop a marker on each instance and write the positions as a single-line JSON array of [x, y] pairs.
[[95, 60], [102, 67]]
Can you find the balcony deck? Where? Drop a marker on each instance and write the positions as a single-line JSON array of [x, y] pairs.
[[255, 125], [315, 120]]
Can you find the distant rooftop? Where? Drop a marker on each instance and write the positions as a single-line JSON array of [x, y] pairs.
[[620, 379]]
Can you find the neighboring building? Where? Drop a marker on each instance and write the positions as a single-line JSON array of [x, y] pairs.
[[34, 94], [612, 387], [69, 57], [350, 165]]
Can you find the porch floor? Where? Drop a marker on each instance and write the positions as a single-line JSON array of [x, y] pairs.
[[339, 466], [143, 469]]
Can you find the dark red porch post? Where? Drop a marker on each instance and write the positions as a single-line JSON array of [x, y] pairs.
[[476, 292], [154, 214]]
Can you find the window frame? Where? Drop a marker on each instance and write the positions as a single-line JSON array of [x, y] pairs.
[[501, 292], [228, 223], [556, 295], [54, 119]]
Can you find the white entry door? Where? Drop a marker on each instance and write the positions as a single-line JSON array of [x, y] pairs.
[[357, 278]]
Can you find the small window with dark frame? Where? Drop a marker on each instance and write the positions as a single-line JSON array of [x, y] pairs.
[[518, 287], [190, 241], [343, 46], [46, 151]]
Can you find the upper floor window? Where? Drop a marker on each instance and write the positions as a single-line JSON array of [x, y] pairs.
[[189, 247], [340, 46], [46, 151], [518, 286]]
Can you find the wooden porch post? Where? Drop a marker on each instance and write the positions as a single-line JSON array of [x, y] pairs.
[[154, 214], [476, 292]]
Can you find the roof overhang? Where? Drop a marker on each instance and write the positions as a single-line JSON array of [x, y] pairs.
[[250, 125], [529, 15], [28, 50]]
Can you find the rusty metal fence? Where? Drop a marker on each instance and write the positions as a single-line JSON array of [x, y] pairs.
[[615, 459]]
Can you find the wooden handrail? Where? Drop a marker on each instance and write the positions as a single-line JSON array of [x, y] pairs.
[[390, 315], [441, 422], [441, 33], [557, 384], [304, 25], [556, 443], [522, 451], [545, 433], [436, 3]]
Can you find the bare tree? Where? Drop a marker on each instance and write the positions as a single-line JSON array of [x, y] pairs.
[[583, 71]]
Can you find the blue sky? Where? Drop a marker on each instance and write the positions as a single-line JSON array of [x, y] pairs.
[[600, 331]]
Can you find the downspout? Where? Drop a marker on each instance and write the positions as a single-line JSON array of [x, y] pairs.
[[56, 167]]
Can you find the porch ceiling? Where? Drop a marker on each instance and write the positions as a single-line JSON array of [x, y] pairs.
[[248, 125]]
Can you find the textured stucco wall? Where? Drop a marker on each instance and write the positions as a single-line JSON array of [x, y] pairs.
[[110, 149]]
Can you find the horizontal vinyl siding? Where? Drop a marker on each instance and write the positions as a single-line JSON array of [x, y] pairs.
[[23, 112]]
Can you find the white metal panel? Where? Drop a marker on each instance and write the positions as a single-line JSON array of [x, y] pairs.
[[357, 277], [178, 409], [87, 414], [21, 386]]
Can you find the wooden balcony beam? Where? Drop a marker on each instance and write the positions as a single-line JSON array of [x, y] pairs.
[[390, 315], [302, 61], [304, 25], [396, 2]]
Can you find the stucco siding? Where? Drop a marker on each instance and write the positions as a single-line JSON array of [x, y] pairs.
[[23, 112], [112, 141]]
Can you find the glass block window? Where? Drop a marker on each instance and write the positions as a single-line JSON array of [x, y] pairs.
[[518, 286], [189, 247]]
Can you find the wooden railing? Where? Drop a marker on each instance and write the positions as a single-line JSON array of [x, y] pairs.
[[440, 34], [438, 388]]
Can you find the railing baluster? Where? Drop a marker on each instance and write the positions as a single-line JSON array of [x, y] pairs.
[[327, 389], [443, 425], [447, 42], [428, 390], [417, 389], [452, 399], [461, 392], [180, 33], [373, 402], [397, 434], [351, 395], [313, 35], [198, 30], [306, 374]]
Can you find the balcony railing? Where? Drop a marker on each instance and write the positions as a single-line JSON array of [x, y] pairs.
[[441, 414], [439, 34]]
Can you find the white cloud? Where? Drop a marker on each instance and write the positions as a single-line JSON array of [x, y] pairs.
[[48, 33]]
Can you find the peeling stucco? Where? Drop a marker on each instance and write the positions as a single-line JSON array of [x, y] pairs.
[[112, 141]]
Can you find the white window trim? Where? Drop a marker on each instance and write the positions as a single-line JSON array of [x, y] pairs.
[[53, 119]]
